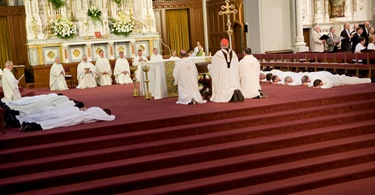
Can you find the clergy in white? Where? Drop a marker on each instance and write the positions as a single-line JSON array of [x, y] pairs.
[[338, 80], [224, 73], [103, 70], [122, 72], [185, 75], [174, 56], [155, 57], [86, 74], [249, 68], [137, 61], [57, 76], [9, 84]]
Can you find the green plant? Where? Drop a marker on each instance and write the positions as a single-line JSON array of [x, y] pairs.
[[57, 3], [119, 2], [94, 13]]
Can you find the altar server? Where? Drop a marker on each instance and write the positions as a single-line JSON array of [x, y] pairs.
[[57, 76], [249, 68], [9, 84], [185, 75], [103, 70], [225, 75], [137, 61], [122, 72], [86, 74]]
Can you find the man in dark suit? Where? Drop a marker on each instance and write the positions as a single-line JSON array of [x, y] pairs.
[[345, 43], [355, 39], [365, 33]]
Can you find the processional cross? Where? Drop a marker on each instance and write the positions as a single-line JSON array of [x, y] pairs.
[[227, 10]]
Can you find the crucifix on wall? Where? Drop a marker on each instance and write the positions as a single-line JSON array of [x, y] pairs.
[[228, 10]]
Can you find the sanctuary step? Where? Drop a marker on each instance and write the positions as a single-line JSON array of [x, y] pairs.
[[285, 148]]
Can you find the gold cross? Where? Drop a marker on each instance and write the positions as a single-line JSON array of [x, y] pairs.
[[227, 10]]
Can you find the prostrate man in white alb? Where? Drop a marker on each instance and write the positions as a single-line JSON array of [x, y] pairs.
[[155, 57], [185, 75], [338, 80], [122, 70], [225, 75], [249, 68], [9, 84], [103, 70], [86, 74], [57, 76], [137, 61]]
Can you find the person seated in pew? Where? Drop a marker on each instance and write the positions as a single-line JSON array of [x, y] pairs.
[[360, 46], [103, 70], [57, 76], [371, 43], [86, 74], [338, 80], [64, 116], [122, 70]]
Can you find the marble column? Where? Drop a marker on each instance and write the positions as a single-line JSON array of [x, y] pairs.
[[300, 42], [318, 11], [348, 12], [355, 10], [205, 28], [326, 12], [88, 52]]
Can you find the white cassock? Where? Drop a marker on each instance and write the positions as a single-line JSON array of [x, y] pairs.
[[156, 58], [249, 70], [338, 80], [122, 65], [297, 78], [64, 116], [318, 75], [86, 80], [56, 79], [10, 86], [185, 75], [102, 65], [139, 65], [224, 79]]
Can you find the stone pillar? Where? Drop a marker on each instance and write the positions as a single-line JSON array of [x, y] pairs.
[[318, 11], [348, 10], [132, 48], [88, 52], [111, 54], [204, 8], [65, 54], [355, 10], [300, 44], [326, 12]]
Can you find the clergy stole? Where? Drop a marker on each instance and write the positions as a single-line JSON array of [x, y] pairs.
[[228, 56]]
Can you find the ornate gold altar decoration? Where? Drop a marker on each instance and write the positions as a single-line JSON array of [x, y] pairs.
[[171, 88], [51, 54], [227, 10], [35, 28], [337, 8], [146, 68], [76, 53], [148, 22], [98, 50], [135, 91]]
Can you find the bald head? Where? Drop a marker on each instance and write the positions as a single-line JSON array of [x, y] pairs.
[[183, 54]]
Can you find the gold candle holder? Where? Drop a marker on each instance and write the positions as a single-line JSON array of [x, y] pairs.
[[135, 92], [146, 68]]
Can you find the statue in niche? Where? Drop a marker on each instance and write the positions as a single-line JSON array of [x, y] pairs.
[[337, 8]]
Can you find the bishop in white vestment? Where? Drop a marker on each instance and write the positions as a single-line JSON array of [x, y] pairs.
[[103, 70], [9, 84], [137, 61], [185, 75], [122, 71], [249, 68], [86, 74], [57, 76], [224, 73]]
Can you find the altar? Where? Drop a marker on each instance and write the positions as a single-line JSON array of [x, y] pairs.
[[160, 75]]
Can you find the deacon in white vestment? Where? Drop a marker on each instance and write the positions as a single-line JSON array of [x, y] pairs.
[[86, 74], [224, 73], [185, 75], [9, 84], [122, 71], [57, 76], [338, 80], [249, 70], [137, 61], [103, 70], [155, 57]]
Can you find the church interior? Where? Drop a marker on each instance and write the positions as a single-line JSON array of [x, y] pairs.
[[298, 140]]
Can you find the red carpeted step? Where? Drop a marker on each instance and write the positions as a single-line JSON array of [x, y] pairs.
[[58, 136], [312, 181], [110, 154], [52, 149], [213, 152], [225, 181]]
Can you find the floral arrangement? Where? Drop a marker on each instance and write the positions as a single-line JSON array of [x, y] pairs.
[[121, 26], [94, 13], [63, 28], [119, 2], [57, 3]]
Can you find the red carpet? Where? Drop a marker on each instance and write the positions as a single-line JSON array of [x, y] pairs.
[[157, 147]]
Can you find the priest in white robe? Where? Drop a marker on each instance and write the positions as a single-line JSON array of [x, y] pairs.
[[137, 61], [155, 57], [122, 71], [86, 74], [174, 56], [185, 75], [338, 80], [57, 76], [225, 74], [249, 70], [9, 84], [103, 70]]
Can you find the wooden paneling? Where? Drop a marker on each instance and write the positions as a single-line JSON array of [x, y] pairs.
[[306, 35]]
